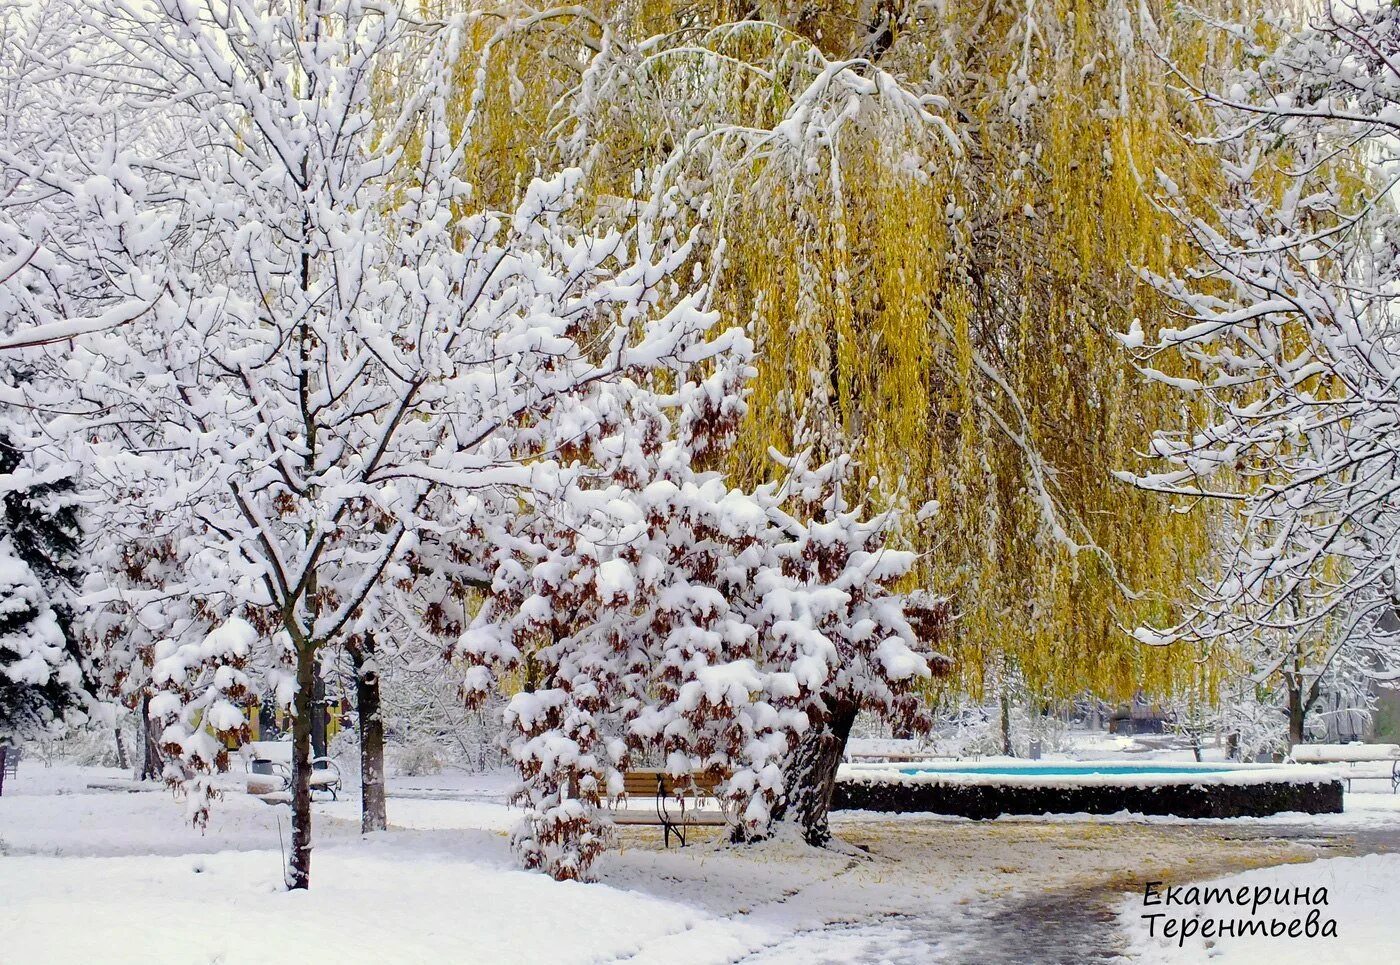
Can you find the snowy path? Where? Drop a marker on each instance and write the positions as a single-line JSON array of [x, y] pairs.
[[1071, 926], [442, 886], [1082, 924]]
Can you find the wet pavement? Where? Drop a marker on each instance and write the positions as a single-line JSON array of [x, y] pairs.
[[1080, 925], [1071, 925]]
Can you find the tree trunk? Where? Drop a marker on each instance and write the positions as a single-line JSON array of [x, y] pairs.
[[811, 774], [151, 763], [1006, 724], [373, 812], [122, 760], [299, 866], [1295, 714], [3, 755], [320, 747]]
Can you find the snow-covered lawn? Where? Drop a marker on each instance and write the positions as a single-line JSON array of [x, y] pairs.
[[98, 875], [444, 898], [118, 877]]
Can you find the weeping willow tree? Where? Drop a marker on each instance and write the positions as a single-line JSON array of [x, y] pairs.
[[931, 215]]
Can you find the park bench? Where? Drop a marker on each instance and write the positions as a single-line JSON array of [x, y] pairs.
[[9, 763], [270, 770], [1362, 761], [678, 803]]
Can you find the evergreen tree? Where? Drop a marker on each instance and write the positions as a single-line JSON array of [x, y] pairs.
[[39, 660]]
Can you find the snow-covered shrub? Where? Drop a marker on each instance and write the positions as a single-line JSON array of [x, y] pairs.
[[972, 729], [87, 746], [345, 748], [653, 609], [1048, 731], [418, 759], [423, 706]]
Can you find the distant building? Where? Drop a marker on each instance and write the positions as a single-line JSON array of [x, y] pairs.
[[1138, 716]]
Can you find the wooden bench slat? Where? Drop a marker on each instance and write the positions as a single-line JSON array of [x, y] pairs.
[[677, 803], [654, 780], [710, 819]]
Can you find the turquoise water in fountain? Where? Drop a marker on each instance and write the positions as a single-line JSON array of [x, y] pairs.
[[1058, 769]]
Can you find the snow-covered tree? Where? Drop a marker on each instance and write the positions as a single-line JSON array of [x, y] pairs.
[[874, 644], [135, 598], [927, 214], [41, 681], [656, 610], [1286, 352], [288, 330]]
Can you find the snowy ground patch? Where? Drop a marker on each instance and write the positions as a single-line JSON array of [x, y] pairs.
[[145, 887], [1361, 896], [454, 901]]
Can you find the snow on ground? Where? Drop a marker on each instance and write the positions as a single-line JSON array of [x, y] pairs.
[[446, 899], [52, 810], [1362, 897], [145, 887], [111, 876], [428, 814]]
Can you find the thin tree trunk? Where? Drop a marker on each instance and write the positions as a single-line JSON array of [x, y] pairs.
[[3, 754], [1297, 705], [373, 810], [1295, 714], [811, 774], [122, 760], [151, 763], [1006, 748], [299, 866], [320, 747]]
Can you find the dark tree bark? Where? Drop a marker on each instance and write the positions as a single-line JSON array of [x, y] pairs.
[[319, 719], [152, 765], [1006, 747], [1296, 716], [1300, 702], [122, 760], [811, 774], [299, 866], [1300, 697], [373, 810], [3, 755]]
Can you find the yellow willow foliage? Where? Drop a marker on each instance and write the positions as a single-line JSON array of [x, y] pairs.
[[937, 294]]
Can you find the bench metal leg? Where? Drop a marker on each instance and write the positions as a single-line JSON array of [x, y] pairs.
[[663, 814], [663, 811]]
